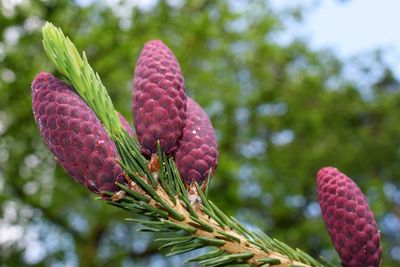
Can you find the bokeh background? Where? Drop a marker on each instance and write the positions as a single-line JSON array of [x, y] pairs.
[[281, 106]]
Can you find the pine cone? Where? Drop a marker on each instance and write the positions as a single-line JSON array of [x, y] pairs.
[[159, 100], [74, 134], [349, 220], [197, 153]]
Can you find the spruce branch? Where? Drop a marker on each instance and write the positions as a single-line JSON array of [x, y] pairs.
[[154, 192]]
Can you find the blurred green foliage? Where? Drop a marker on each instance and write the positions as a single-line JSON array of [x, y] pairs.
[[281, 111]]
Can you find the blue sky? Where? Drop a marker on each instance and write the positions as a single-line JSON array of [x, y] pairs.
[[348, 27], [354, 26], [351, 29]]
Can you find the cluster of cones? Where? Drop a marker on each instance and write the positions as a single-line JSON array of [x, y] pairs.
[[164, 113]]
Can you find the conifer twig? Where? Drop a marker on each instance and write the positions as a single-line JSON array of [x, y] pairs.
[[156, 192]]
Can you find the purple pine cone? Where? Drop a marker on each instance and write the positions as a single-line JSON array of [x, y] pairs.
[[349, 220], [74, 134], [159, 100], [197, 153]]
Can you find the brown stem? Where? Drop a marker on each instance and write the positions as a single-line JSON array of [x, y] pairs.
[[232, 247]]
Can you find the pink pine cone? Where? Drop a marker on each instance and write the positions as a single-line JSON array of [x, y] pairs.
[[74, 134], [159, 100], [197, 153], [349, 220]]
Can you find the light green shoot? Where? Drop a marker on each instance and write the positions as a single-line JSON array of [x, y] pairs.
[[64, 55]]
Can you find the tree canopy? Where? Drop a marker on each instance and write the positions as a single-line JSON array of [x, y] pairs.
[[281, 112]]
